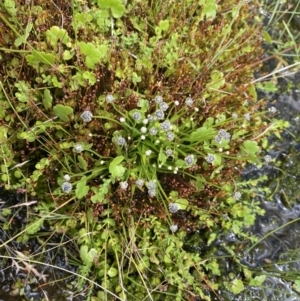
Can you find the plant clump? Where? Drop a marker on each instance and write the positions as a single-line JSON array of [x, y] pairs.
[[134, 119]]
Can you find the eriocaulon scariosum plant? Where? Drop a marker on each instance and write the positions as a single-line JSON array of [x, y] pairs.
[[134, 119]]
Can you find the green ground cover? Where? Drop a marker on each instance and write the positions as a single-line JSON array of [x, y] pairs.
[[130, 123]]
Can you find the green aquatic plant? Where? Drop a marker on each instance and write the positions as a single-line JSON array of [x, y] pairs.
[[134, 119]]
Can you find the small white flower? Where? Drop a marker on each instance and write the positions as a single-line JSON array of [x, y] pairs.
[[173, 228], [67, 178], [145, 121], [159, 166], [136, 116], [166, 125], [148, 152], [153, 131], [196, 109], [163, 106], [169, 152], [121, 141], [268, 158], [66, 187], [170, 167], [123, 185], [78, 148], [86, 116], [210, 158], [235, 115], [189, 160], [160, 114], [173, 207], [143, 129], [151, 118], [143, 137], [189, 101], [122, 119], [170, 136], [109, 98], [247, 116], [157, 142], [152, 192], [90, 135], [237, 195], [272, 110], [158, 99], [139, 182], [101, 162], [176, 103], [151, 184]]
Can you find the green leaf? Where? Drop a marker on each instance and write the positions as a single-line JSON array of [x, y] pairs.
[[162, 26], [81, 188], [94, 54], [258, 280], [210, 8], [202, 134], [217, 80], [47, 99], [10, 7], [251, 147], [34, 226], [38, 57], [182, 203], [82, 163], [22, 39], [211, 238], [62, 112], [237, 286], [87, 256], [116, 6], [115, 169], [55, 34], [112, 272]]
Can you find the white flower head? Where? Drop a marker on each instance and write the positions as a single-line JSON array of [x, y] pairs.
[[143, 129], [210, 158], [148, 152], [145, 121], [173, 228], [122, 119], [169, 152], [173, 207], [163, 106], [166, 126], [109, 98], [189, 101], [247, 116], [153, 131], [67, 178], [123, 185], [237, 195], [158, 99], [66, 187], [268, 158], [170, 136], [143, 137], [139, 182], [160, 114], [272, 110], [176, 103], [78, 148], [189, 160], [121, 141], [86, 116], [136, 116]]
